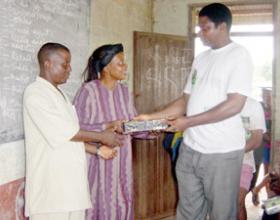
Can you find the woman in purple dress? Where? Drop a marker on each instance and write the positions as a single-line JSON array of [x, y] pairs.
[[103, 103]]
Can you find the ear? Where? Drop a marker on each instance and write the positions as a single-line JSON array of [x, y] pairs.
[[223, 26], [46, 64], [106, 69]]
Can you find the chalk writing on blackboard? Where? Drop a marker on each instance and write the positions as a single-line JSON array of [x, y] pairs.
[[26, 25], [162, 64]]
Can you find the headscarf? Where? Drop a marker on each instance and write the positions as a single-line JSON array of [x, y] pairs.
[[100, 58]]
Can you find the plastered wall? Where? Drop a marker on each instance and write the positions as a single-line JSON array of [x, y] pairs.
[[276, 95], [113, 21], [276, 100], [171, 17]]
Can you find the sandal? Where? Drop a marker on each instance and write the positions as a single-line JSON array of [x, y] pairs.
[[255, 197]]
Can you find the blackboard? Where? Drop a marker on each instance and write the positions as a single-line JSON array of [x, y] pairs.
[[24, 26]]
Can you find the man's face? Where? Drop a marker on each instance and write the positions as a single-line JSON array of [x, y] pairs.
[[209, 33], [59, 67]]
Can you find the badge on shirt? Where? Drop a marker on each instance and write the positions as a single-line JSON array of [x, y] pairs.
[[194, 77]]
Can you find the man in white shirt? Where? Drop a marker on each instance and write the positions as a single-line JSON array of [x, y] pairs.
[[210, 157], [253, 120], [56, 170]]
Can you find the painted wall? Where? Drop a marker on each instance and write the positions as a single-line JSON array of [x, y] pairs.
[[276, 95], [171, 17], [12, 200], [277, 75], [113, 21], [11, 180]]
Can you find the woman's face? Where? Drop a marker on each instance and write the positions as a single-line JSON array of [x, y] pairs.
[[117, 68]]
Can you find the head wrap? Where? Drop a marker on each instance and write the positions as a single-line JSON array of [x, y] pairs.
[[103, 55], [100, 58]]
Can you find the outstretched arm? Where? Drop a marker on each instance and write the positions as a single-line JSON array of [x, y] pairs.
[[174, 109], [228, 108]]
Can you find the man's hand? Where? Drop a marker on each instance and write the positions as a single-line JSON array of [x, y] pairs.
[[177, 124], [274, 183], [111, 138]]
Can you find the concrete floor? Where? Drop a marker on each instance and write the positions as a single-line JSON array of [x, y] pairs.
[[253, 212]]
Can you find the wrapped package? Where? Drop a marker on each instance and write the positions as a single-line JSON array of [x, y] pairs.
[[272, 205], [151, 125]]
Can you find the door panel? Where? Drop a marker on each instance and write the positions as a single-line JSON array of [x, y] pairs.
[[161, 65]]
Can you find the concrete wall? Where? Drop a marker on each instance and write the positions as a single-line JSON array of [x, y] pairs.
[[11, 180], [276, 95], [171, 17], [113, 21], [277, 76]]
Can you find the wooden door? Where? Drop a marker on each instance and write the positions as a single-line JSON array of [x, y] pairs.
[[161, 65]]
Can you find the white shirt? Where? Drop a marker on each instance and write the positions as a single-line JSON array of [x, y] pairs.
[[214, 75], [56, 168], [252, 116]]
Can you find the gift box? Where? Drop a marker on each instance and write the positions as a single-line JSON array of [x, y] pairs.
[[151, 125], [272, 205]]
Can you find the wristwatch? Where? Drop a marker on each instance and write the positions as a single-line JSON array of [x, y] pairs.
[[98, 151]]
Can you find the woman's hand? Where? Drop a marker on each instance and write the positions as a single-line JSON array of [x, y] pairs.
[[115, 126], [103, 151], [106, 152], [111, 138]]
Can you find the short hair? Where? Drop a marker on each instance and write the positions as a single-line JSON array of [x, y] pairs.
[[49, 48], [218, 13]]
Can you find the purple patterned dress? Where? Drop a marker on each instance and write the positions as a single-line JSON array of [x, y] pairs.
[[110, 181]]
